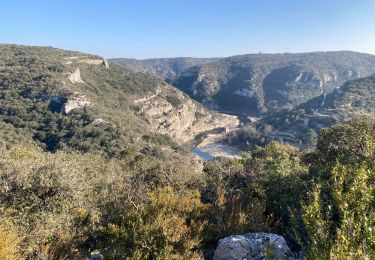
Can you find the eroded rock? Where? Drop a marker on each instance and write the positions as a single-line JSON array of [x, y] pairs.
[[74, 101], [75, 77], [257, 246], [99, 121], [105, 63], [182, 122], [96, 255]]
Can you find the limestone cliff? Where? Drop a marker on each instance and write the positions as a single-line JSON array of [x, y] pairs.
[[75, 77], [74, 101], [169, 111]]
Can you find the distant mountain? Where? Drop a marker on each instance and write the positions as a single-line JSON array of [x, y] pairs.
[[258, 83], [356, 98], [166, 68], [60, 99]]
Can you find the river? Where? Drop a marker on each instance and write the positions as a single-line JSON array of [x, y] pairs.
[[212, 146]]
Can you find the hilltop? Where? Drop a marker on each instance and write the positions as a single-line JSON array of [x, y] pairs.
[[255, 84], [165, 68], [272, 92]]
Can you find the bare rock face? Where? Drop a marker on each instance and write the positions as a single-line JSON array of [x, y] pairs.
[[75, 77], [74, 101], [181, 121], [96, 255], [105, 63], [86, 59], [99, 121], [257, 246]]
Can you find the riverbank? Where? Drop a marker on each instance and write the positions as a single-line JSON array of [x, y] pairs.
[[213, 146]]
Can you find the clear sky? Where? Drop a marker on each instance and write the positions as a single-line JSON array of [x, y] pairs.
[[197, 28]]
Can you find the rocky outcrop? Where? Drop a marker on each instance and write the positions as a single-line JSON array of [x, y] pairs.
[[74, 101], [105, 63], [99, 122], [95, 255], [257, 246], [75, 77], [93, 61], [182, 122], [87, 60]]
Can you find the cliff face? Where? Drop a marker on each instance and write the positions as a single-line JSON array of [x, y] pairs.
[[74, 101], [82, 102], [169, 111]]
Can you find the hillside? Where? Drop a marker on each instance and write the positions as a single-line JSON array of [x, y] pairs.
[[94, 164], [59, 96], [301, 125], [166, 68], [257, 83], [354, 96]]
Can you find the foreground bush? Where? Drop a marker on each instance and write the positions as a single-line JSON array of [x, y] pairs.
[[340, 215], [167, 226], [9, 243], [66, 205], [258, 193]]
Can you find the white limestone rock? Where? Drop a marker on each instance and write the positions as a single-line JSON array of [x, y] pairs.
[[75, 77], [257, 246], [74, 101]]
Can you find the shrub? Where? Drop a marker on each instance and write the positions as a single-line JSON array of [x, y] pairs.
[[9, 243], [167, 226], [174, 100], [339, 215]]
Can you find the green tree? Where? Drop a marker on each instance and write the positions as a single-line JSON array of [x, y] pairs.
[[340, 214]]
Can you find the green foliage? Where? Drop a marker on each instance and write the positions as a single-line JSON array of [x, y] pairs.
[[278, 81], [56, 199], [247, 138], [159, 139], [166, 68], [166, 226], [174, 100], [282, 175], [69, 186], [65, 205], [260, 193], [340, 216]]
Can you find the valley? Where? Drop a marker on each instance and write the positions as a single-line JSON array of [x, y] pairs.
[[187, 130], [98, 157], [267, 92]]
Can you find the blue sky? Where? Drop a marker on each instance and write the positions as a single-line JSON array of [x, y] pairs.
[[197, 28]]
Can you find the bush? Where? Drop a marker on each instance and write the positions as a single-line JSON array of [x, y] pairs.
[[174, 100], [167, 226], [9, 243], [340, 215]]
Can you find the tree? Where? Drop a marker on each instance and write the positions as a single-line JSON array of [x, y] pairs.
[[340, 214]]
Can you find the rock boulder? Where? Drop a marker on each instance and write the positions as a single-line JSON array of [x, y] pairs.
[[257, 246]]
